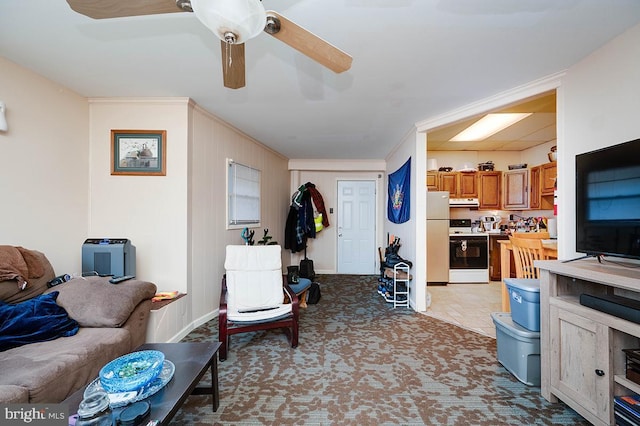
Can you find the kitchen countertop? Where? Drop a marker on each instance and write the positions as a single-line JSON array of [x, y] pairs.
[[497, 234], [507, 233]]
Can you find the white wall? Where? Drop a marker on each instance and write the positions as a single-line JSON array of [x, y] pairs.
[[177, 221], [538, 154], [413, 232], [212, 142], [149, 210], [599, 107], [57, 189], [43, 178]]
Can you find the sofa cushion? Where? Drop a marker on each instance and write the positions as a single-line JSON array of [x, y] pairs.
[[52, 370], [11, 394], [35, 320], [9, 291], [95, 302]]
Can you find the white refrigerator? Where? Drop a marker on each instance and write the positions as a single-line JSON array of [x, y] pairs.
[[438, 237]]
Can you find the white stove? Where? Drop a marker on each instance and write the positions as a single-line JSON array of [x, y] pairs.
[[462, 227], [466, 233], [468, 253]]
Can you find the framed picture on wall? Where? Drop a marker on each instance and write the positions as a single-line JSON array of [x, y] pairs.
[[138, 152]]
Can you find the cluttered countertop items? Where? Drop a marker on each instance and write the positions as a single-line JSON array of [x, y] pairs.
[[494, 225]]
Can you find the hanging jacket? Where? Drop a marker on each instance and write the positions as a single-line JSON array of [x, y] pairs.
[[305, 216], [294, 238], [296, 198], [300, 223], [318, 202]]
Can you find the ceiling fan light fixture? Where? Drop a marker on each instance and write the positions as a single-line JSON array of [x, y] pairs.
[[232, 21], [184, 5]]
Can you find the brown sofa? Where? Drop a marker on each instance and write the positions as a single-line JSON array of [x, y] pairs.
[[112, 319]]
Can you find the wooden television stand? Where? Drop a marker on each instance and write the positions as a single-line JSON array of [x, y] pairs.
[[582, 358]]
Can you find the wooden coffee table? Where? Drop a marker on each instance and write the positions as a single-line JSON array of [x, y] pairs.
[[192, 361]]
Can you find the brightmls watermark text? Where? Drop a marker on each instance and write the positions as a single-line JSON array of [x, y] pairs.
[[33, 414]]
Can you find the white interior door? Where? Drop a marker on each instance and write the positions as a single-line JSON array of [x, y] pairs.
[[357, 227]]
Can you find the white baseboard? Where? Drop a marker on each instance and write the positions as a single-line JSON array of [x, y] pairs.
[[193, 325]]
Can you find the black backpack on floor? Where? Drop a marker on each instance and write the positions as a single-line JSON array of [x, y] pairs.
[[313, 294], [306, 269]]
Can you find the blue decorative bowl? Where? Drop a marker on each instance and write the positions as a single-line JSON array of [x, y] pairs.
[[132, 371]]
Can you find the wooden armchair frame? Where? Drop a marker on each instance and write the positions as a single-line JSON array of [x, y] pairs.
[[227, 328]]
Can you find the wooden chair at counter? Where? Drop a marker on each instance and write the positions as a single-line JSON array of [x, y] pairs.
[[525, 252], [505, 258]]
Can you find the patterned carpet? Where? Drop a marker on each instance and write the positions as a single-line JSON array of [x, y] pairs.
[[361, 362]]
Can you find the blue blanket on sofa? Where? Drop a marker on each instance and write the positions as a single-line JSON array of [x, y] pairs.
[[35, 320]]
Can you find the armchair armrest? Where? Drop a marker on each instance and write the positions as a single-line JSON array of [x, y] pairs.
[[94, 302], [289, 293], [286, 289], [223, 327], [295, 302], [222, 310]]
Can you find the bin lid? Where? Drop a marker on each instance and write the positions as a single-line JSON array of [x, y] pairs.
[[527, 284], [504, 320]]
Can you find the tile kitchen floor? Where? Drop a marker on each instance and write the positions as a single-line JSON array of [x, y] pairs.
[[467, 305]]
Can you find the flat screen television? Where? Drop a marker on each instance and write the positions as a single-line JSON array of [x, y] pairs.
[[608, 201]]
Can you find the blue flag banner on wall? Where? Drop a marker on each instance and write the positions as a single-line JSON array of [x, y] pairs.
[[399, 190]]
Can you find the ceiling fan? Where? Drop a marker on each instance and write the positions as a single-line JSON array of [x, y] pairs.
[[233, 22]]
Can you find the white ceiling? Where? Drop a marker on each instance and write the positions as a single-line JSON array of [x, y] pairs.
[[536, 129], [412, 60]]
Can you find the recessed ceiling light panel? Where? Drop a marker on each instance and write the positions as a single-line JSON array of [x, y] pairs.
[[489, 125]]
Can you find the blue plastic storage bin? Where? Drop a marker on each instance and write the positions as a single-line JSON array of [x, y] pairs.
[[524, 298], [518, 349]]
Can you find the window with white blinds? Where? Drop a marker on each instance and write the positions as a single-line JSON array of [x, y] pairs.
[[243, 196]]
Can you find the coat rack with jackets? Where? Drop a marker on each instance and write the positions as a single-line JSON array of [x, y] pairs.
[[307, 216]]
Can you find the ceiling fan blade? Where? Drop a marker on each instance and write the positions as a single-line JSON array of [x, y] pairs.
[[104, 9], [308, 43], [232, 65]]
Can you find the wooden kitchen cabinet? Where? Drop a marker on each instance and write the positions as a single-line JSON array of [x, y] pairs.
[[495, 266], [515, 189], [542, 183], [432, 181], [548, 174], [467, 185], [489, 190], [459, 184], [448, 181], [534, 193]]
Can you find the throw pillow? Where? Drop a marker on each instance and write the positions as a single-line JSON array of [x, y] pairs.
[[35, 320], [10, 293]]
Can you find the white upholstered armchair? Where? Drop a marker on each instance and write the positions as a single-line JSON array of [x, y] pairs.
[[255, 295]]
